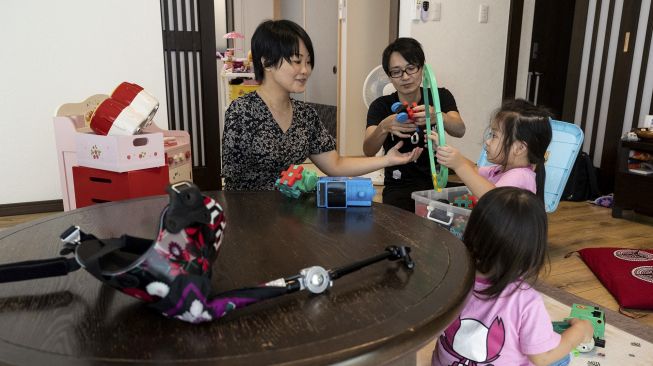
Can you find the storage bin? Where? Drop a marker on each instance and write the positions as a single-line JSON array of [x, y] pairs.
[[65, 128], [120, 153], [97, 186], [447, 215], [178, 157]]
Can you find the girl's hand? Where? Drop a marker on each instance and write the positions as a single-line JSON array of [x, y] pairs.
[[449, 156], [392, 126], [434, 137], [585, 326], [394, 157]]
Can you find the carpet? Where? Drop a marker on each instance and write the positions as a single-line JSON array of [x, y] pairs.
[[628, 342]]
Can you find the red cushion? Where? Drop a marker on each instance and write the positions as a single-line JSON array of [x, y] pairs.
[[626, 273]]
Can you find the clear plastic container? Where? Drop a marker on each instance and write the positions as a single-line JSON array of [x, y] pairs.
[[450, 216]]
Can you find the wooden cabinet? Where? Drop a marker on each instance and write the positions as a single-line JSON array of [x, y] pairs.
[[632, 191]]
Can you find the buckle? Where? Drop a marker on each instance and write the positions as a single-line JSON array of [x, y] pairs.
[[175, 187], [72, 235], [70, 239]]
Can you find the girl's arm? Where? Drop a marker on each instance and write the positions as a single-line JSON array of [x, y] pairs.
[[465, 169], [334, 165], [581, 330]]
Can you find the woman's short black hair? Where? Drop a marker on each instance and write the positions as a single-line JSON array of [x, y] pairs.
[[408, 48], [274, 40], [506, 235]]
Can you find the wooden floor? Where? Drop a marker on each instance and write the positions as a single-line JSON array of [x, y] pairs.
[[573, 226], [577, 225]]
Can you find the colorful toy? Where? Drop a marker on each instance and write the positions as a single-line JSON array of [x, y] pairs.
[[465, 201], [296, 180], [126, 112], [592, 313], [342, 192], [404, 111]]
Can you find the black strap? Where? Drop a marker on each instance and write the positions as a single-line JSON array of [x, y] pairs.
[[28, 270], [92, 263]]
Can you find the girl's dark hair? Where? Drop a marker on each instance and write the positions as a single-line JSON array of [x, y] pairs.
[[274, 40], [408, 48], [506, 236], [519, 120]]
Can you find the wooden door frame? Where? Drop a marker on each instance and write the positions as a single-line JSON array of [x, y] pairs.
[[179, 38]]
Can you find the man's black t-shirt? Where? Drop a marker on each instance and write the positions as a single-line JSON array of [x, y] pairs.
[[401, 180]]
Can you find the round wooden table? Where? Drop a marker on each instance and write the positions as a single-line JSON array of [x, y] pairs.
[[379, 314]]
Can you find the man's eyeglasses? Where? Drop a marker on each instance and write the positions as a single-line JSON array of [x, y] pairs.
[[409, 70]]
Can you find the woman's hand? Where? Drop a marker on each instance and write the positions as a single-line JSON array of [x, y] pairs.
[[400, 129], [394, 157]]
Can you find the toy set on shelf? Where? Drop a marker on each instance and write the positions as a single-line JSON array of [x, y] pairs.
[[109, 150]]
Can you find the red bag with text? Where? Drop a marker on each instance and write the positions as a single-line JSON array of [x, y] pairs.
[[626, 273]]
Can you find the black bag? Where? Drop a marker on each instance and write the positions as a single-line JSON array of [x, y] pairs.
[[582, 184]]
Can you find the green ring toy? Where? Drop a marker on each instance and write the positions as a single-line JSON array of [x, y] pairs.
[[430, 85]]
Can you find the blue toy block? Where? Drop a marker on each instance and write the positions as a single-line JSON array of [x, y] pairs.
[[342, 192]]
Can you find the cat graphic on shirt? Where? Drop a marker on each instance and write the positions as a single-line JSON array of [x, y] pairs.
[[472, 343]]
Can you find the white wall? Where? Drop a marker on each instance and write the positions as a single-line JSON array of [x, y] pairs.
[[248, 14], [363, 38], [56, 52], [525, 48], [220, 13], [467, 57]]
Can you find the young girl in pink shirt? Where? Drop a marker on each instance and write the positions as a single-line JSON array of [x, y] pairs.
[[504, 321], [516, 142]]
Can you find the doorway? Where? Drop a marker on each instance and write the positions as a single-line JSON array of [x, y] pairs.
[[549, 53], [549, 56]]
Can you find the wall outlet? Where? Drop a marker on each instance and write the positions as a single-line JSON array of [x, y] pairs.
[[417, 15], [436, 11], [483, 13]]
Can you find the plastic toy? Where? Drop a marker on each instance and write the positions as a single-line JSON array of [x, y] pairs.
[[465, 201], [126, 112], [440, 176], [404, 111], [592, 313], [342, 192], [296, 180]]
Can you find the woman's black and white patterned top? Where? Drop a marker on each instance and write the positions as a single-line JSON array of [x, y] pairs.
[[254, 148]]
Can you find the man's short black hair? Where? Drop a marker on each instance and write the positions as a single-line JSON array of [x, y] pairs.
[[408, 48], [274, 40]]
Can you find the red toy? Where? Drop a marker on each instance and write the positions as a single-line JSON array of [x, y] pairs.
[[295, 180], [404, 111]]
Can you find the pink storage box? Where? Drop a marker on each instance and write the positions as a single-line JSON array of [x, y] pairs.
[[178, 154], [120, 153], [65, 128]]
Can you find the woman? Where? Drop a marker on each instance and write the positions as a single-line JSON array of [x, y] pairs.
[[403, 62], [266, 131]]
